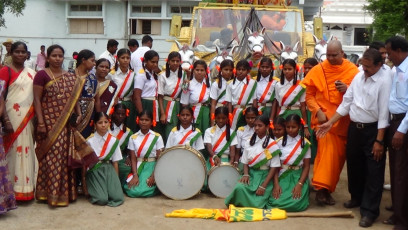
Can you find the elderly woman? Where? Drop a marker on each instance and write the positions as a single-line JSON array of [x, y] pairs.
[[19, 143]]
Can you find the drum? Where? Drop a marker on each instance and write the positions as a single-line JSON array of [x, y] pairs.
[[222, 179], [180, 172]]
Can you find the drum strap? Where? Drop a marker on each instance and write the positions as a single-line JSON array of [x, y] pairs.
[[149, 150]]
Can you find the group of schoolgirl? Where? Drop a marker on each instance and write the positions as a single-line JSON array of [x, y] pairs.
[[178, 107]]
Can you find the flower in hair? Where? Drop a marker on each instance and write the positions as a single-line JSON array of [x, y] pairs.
[[127, 112], [281, 67], [111, 111], [230, 117], [243, 112], [208, 70], [154, 123], [218, 68], [191, 66], [297, 67], [259, 65], [212, 116], [271, 125]]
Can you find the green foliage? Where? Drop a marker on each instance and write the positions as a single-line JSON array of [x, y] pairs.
[[13, 6]]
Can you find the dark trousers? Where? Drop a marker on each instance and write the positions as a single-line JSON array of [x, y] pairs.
[[365, 175], [398, 160]]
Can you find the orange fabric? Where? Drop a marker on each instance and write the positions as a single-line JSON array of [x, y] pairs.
[[321, 93], [330, 158]]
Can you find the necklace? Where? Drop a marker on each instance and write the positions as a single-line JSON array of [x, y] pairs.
[[60, 93]]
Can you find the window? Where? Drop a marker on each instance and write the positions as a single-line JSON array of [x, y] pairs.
[[181, 9], [185, 23], [86, 26], [86, 7], [139, 26], [146, 9]]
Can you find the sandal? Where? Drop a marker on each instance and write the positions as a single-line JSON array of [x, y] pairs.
[[320, 197], [389, 221], [329, 199]]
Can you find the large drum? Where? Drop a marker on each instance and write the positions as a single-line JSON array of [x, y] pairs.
[[222, 179], [180, 172]]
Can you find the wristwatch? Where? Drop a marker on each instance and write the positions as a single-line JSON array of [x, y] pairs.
[[380, 142]]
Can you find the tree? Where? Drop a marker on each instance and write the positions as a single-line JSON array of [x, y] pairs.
[[390, 18], [13, 6]]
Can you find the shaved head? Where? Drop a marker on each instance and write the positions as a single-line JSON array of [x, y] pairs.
[[335, 52]]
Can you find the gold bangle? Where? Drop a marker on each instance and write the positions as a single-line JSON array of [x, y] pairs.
[[300, 183]]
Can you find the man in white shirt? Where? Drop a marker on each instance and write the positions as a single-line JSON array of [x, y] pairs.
[[135, 62], [366, 101], [133, 45], [29, 62], [110, 52]]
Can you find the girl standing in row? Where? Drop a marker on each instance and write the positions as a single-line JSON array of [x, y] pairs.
[[290, 93], [265, 87], [124, 78], [240, 93], [198, 94], [169, 91], [145, 93], [219, 88]]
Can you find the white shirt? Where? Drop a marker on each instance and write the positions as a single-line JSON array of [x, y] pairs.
[[261, 86], [168, 84], [366, 99], [111, 58], [244, 133], [97, 142], [148, 87], [280, 91], [214, 133], [30, 63], [234, 91], [136, 140], [193, 94], [135, 61], [176, 136], [215, 92], [398, 103], [251, 152], [119, 77], [287, 149]]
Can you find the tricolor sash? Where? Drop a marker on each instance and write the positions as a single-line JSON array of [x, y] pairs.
[[247, 93], [197, 108], [123, 138], [263, 157], [218, 148], [125, 89], [290, 160], [140, 165], [171, 104], [190, 137], [292, 95], [109, 147]]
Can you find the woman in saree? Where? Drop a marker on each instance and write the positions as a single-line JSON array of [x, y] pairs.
[[106, 87], [56, 93], [89, 100], [19, 143]]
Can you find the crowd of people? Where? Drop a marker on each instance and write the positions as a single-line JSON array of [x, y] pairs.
[[100, 127]]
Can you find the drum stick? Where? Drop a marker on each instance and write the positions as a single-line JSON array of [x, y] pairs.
[[344, 214]]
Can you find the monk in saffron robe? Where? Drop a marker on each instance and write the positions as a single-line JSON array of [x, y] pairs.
[[326, 84]]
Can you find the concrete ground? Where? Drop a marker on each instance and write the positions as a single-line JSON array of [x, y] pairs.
[[148, 213]]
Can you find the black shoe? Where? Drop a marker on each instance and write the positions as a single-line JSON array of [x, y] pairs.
[[351, 204], [366, 222]]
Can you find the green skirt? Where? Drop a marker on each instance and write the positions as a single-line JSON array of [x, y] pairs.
[[244, 195], [288, 112], [103, 186], [173, 120], [285, 201], [159, 128], [142, 190], [131, 119], [124, 171], [203, 119]]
